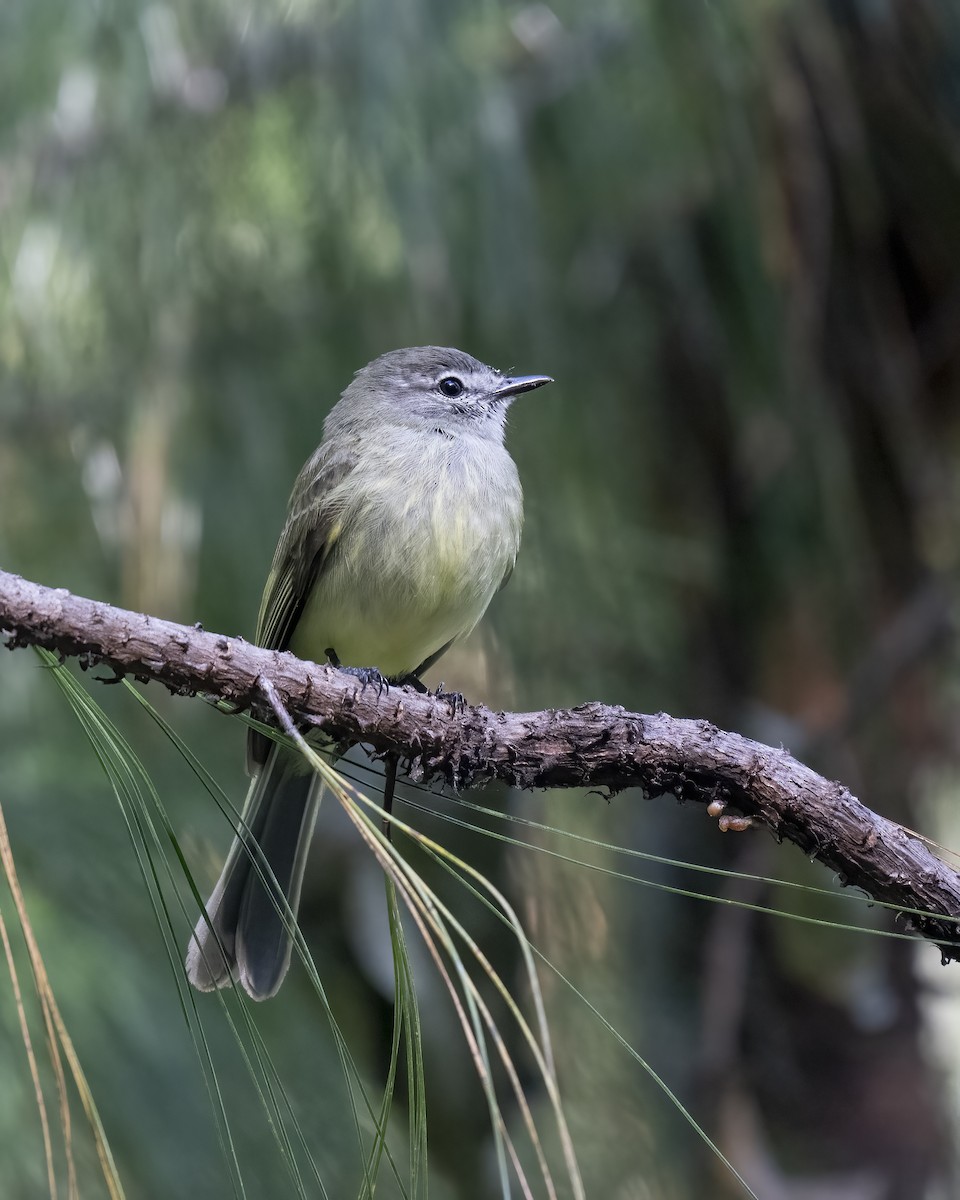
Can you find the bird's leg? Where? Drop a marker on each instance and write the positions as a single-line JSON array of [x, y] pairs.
[[389, 786], [368, 676]]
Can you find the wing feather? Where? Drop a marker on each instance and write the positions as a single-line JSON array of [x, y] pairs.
[[308, 539]]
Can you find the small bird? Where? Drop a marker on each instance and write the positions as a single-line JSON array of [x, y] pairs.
[[400, 529]]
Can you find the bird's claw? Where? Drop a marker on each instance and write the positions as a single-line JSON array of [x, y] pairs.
[[456, 700], [369, 677]]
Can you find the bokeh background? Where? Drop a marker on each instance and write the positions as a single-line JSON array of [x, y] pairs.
[[731, 232]]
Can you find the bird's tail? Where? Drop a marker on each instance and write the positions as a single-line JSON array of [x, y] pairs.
[[243, 934]]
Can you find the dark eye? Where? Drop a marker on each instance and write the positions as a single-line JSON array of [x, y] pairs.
[[451, 387]]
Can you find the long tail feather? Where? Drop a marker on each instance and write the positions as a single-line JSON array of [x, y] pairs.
[[245, 937]]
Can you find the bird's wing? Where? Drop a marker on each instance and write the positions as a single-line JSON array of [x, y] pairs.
[[309, 536]]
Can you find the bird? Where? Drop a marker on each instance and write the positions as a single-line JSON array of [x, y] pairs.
[[400, 529]]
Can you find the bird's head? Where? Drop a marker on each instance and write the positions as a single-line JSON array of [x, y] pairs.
[[434, 389]]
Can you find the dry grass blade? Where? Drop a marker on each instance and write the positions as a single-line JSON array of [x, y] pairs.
[[31, 1059], [57, 1033], [438, 925]]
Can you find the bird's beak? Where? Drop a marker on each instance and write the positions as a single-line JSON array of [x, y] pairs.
[[515, 384]]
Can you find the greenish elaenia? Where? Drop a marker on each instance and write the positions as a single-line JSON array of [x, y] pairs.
[[401, 527]]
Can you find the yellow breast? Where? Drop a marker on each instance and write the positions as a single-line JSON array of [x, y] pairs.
[[427, 539]]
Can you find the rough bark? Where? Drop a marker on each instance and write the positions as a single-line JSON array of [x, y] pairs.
[[592, 746]]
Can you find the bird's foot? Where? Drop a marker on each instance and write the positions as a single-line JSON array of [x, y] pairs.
[[456, 700], [368, 676]]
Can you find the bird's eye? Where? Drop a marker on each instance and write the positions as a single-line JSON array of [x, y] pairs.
[[451, 387]]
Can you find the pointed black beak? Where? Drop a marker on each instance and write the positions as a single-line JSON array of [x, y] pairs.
[[515, 384]]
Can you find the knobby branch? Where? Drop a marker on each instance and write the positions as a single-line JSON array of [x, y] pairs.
[[593, 746]]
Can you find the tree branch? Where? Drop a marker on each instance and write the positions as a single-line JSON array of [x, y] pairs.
[[591, 746]]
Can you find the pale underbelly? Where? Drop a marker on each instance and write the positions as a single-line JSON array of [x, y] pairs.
[[406, 579], [395, 647], [394, 625]]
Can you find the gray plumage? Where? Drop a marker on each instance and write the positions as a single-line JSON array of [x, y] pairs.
[[401, 527]]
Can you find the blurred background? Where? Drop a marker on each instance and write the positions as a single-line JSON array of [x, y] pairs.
[[731, 232]]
